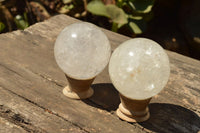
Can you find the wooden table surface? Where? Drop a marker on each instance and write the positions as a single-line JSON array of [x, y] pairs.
[[31, 84]]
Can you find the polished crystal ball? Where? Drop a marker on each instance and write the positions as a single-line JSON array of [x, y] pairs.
[[139, 68], [82, 50]]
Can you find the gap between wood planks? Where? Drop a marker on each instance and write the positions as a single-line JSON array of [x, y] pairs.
[[18, 120]]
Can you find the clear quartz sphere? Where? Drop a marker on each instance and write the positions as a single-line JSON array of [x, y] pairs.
[[82, 50], [139, 68]]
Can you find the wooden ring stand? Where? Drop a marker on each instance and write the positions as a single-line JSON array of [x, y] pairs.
[[78, 89], [133, 110]]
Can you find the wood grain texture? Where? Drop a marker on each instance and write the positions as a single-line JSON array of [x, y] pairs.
[[23, 113], [7, 127], [30, 75]]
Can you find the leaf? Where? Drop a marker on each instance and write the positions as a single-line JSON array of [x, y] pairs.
[[141, 6], [114, 27], [135, 17], [25, 17], [107, 2], [111, 11], [2, 26], [136, 29], [98, 8], [66, 1], [20, 22], [148, 16], [66, 8], [138, 26], [116, 14]]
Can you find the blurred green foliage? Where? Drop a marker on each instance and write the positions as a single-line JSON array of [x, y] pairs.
[[21, 21], [133, 13], [2, 26]]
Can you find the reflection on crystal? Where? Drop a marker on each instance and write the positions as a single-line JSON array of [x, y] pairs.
[[129, 69], [157, 65], [148, 52], [150, 87], [74, 35], [131, 53]]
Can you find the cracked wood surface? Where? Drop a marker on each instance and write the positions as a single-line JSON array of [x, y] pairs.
[[31, 84]]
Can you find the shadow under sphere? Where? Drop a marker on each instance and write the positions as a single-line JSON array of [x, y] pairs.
[[164, 118], [169, 118], [105, 97]]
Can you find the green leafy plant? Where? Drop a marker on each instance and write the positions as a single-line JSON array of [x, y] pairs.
[[21, 21], [75, 8], [2, 27], [133, 13]]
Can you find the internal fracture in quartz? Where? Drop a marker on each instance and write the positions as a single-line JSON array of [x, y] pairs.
[[82, 50], [139, 68]]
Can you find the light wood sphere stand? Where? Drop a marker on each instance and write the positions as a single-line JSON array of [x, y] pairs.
[[133, 110], [78, 89]]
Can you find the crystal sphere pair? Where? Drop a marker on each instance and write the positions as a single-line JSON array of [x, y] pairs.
[[138, 68]]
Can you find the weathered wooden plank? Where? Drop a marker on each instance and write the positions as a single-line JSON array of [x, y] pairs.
[[30, 117], [7, 127], [48, 95], [28, 69]]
